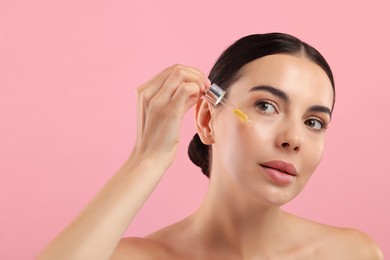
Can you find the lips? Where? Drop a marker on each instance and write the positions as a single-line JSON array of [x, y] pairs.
[[281, 166], [279, 172]]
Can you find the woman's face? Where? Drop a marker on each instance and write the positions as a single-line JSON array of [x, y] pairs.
[[288, 100]]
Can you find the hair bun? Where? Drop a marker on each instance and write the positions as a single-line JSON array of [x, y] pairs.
[[199, 154]]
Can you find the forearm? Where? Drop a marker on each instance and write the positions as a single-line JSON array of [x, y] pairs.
[[162, 103], [95, 233]]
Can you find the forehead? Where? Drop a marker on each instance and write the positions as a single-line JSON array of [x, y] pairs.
[[296, 75]]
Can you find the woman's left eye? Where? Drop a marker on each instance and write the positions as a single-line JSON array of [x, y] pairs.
[[316, 124], [266, 107]]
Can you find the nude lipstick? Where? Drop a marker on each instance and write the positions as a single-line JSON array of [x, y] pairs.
[[279, 172]]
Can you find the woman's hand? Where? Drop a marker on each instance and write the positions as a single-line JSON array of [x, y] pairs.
[[162, 103]]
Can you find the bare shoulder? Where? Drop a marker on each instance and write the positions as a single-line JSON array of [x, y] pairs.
[[140, 248], [340, 243], [161, 244], [329, 242], [354, 244]]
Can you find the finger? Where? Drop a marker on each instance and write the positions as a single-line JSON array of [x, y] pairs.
[[179, 76], [186, 96], [151, 87], [206, 81], [162, 87], [145, 93], [147, 90]]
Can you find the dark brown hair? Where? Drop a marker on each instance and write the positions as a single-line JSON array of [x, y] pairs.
[[226, 71]]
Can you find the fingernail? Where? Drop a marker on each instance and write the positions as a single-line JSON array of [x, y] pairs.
[[208, 83]]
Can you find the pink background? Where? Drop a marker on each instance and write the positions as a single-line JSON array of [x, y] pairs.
[[68, 74]]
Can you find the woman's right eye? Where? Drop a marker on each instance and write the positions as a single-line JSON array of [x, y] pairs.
[[266, 107]]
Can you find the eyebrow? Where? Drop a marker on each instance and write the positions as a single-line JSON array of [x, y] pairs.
[[285, 97], [275, 91], [321, 109]]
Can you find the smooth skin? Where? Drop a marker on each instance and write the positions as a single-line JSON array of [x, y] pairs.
[[240, 217]]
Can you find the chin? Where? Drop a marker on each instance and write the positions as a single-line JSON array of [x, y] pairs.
[[276, 197], [278, 202]]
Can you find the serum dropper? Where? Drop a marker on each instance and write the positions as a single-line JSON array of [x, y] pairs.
[[215, 95]]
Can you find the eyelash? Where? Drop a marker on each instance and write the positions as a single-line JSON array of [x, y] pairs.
[[259, 103], [265, 102], [324, 126]]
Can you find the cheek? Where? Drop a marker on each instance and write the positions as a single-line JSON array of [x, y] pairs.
[[240, 146], [311, 157], [230, 142]]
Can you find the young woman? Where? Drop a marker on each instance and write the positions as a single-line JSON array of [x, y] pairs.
[[286, 89]]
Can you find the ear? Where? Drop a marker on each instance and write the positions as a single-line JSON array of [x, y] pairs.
[[203, 122]]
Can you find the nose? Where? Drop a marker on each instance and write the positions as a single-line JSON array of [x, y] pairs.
[[290, 138]]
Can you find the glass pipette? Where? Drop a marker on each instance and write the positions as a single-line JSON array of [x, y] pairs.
[[215, 95]]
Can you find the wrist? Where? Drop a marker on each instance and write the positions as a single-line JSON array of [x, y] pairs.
[[152, 161]]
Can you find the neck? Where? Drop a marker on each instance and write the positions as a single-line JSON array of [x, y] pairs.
[[229, 218]]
